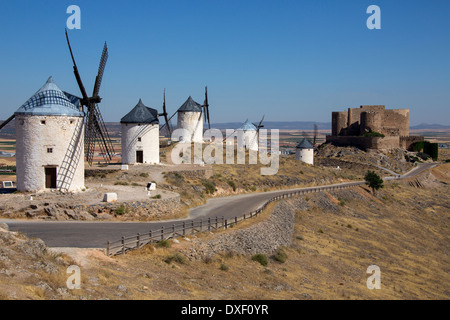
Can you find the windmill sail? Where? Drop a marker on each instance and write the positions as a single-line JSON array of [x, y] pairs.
[[95, 131]]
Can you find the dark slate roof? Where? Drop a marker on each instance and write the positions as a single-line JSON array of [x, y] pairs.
[[50, 101], [305, 144], [190, 106], [141, 114]]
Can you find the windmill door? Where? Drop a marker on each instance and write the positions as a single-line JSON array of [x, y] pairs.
[[139, 156], [50, 178]]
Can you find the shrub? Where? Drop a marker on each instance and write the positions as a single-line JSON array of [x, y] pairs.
[[232, 184], [158, 196], [320, 231], [253, 188], [431, 149], [144, 175], [176, 257], [447, 161], [373, 134], [224, 267], [121, 183], [210, 186], [121, 210], [261, 258], [423, 156], [164, 243], [280, 256]]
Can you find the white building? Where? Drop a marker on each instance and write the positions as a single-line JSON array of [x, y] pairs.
[[140, 135], [190, 118], [50, 142], [247, 136], [305, 152]]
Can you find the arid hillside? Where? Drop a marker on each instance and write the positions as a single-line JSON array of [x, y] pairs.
[[336, 235]]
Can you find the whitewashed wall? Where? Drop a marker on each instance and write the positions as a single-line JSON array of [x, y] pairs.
[[149, 144], [305, 155], [193, 122], [65, 135]]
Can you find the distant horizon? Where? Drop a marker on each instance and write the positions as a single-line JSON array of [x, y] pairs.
[[295, 59], [295, 121]]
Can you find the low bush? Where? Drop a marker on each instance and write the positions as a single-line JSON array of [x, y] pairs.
[[261, 258], [224, 267], [164, 243], [280, 256], [176, 257]]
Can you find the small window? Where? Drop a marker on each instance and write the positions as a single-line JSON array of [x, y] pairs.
[[49, 150], [139, 139], [42, 121]]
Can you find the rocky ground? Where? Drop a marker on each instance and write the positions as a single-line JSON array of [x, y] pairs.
[[318, 246], [393, 160]]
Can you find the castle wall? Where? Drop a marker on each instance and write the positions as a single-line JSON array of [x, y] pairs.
[[396, 122], [36, 137], [339, 123], [370, 121], [354, 117], [365, 143], [408, 141]]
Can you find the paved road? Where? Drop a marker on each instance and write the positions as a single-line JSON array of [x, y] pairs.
[[96, 234]]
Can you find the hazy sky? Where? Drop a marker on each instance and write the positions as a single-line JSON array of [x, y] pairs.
[[290, 60]]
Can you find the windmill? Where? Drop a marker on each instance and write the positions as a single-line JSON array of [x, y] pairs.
[[95, 129], [190, 106], [165, 114], [260, 125], [4, 123], [205, 108]]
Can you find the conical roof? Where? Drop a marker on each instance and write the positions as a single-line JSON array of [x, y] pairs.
[[190, 106], [248, 126], [305, 144], [50, 101], [141, 114]]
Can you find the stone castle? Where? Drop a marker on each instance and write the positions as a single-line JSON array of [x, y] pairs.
[[372, 127]]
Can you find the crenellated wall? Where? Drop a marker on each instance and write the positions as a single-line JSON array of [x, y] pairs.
[[355, 122]]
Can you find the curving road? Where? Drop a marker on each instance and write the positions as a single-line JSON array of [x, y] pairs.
[[96, 234]]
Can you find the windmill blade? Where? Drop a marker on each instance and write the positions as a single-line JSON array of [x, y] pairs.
[[77, 74], [165, 115], [4, 123], [161, 127], [101, 70], [103, 135], [260, 124], [207, 107], [89, 137]]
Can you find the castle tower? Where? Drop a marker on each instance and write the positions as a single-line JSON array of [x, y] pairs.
[[140, 135], [190, 118], [305, 152], [50, 142], [248, 136]]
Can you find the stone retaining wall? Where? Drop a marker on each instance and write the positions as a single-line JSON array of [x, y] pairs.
[[263, 237]]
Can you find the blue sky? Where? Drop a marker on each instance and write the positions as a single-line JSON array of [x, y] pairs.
[[290, 60]]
